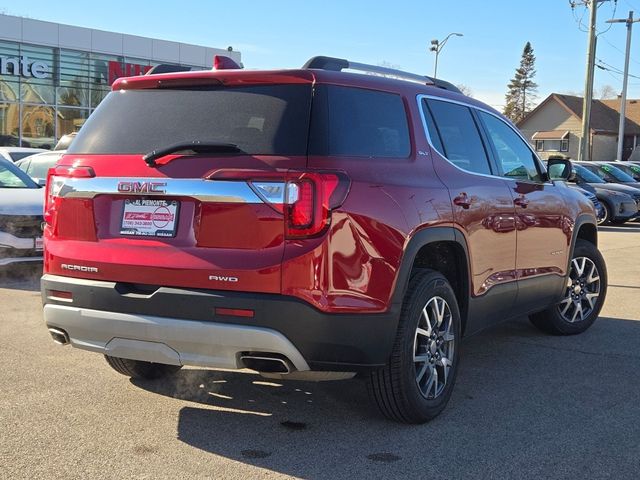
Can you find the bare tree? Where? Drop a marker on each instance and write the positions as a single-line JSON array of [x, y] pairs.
[[465, 89], [607, 92]]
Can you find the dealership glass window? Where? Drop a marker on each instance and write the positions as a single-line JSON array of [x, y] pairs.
[[73, 75], [539, 145], [564, 145], [38, 90], [9, 124], [99, 69], [38, 128], [70, 119], [97, 95]]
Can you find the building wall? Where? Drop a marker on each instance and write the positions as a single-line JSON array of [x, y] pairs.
[[553, 116], [604, 147], [52, 76], [37, 32]]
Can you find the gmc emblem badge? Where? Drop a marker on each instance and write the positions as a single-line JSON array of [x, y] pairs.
[[142, 187]]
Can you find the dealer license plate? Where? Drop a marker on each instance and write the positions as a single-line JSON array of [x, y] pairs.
[[149, 218]]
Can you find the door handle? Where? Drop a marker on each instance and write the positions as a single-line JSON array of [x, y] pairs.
[[521, 202], [462, 200]]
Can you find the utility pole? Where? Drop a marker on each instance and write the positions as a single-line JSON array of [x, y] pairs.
[[585, 141], [623, 99]]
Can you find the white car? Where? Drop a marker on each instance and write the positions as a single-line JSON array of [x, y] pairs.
[[13, 154], [21, 207], [37, 166]]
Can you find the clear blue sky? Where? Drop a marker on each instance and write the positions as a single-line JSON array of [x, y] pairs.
[[274, 34]]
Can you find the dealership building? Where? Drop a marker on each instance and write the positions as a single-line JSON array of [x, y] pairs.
[[52, 75]]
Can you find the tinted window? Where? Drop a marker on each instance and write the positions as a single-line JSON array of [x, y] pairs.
[[434, 136], [268, 120], [586, 175], [514, 157], [358, 122], [459, 136], [15, 156], [616, 173]]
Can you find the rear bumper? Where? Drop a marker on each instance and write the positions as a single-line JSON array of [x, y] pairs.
[[167, 340], [179, 326], [17, 249]]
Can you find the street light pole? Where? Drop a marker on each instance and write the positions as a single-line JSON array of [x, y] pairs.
[[623, 98], [437, 46]]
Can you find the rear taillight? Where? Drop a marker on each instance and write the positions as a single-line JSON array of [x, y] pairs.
[[55, 181], [304, 198]]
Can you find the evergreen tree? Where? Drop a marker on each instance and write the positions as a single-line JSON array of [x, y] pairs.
[[521, 91]]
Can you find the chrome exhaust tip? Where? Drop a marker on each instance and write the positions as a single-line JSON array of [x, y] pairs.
[[265, 363], [59, 336]]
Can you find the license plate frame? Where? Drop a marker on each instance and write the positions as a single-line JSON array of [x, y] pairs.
[[149, 217]]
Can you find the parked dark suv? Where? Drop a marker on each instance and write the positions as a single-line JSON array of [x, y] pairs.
[[309, 224]]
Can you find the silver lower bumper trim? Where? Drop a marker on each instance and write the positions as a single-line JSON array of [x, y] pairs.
[[167, 340]]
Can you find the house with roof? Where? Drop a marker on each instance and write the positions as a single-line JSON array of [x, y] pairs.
[[555, 126]]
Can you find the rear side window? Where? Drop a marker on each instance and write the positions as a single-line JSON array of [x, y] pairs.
[[260, 120], [351, 121], [458, 136]]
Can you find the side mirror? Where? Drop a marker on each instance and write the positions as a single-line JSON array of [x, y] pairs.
[[561, 169]]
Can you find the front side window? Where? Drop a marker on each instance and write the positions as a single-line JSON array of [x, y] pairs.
[[457, 134], [515, 159]]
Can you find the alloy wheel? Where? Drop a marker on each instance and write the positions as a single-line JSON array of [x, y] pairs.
[[433, 347], [583, 290]]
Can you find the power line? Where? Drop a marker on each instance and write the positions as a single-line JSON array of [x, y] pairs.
[[613, 14], [611, 68], [618, 49]]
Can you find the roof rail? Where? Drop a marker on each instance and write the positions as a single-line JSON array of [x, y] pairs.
[[339, 64]]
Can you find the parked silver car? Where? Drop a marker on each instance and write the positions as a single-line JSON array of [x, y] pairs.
[[21, 205]]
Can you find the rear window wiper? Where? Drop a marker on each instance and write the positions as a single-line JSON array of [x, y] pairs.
[[196, 146]]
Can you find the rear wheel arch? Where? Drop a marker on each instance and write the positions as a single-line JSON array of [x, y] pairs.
[[444, 250]]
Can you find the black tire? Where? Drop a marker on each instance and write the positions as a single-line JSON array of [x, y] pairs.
[[141, 370], [397, 389], [606, 218], [552, 320]]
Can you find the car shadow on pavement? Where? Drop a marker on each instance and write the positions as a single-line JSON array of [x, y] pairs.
[[22, 277], [525, 404]]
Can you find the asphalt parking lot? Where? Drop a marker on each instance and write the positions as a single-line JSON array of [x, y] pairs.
[[526, 405]]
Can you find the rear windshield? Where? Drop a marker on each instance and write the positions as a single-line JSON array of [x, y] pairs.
[[260, 120], [15, 156]]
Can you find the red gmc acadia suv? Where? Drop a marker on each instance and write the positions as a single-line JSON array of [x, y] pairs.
[[309, 224]]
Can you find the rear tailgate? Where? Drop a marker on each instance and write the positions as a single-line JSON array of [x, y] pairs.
[[196, 220]]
